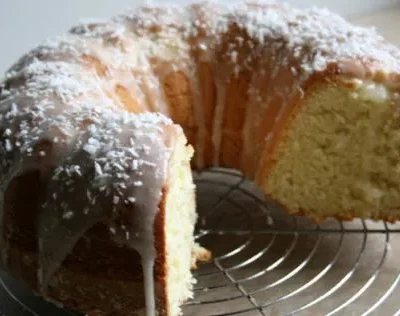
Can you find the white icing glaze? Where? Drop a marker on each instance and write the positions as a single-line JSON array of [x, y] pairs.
[[199, 118], [118, 159], [148, 266], [250, 121], [218, 120]]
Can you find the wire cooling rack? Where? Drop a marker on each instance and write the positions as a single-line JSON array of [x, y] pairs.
[[269, 263]]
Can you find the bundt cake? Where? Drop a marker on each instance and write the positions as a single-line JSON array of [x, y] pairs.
[[98, 207]]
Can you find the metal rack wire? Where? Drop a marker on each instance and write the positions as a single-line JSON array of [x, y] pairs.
[[269, 263]]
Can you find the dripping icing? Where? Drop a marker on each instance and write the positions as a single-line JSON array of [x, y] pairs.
[[148, 280], [218, 120]]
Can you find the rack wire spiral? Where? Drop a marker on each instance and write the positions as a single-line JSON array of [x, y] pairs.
[[269, 263]]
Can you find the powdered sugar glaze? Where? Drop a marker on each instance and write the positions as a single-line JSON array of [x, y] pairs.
[[99, 162]]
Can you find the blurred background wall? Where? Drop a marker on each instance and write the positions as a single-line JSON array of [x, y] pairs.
[[24, 23]]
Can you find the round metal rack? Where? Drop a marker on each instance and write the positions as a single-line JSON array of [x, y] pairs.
[[266, 262]]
